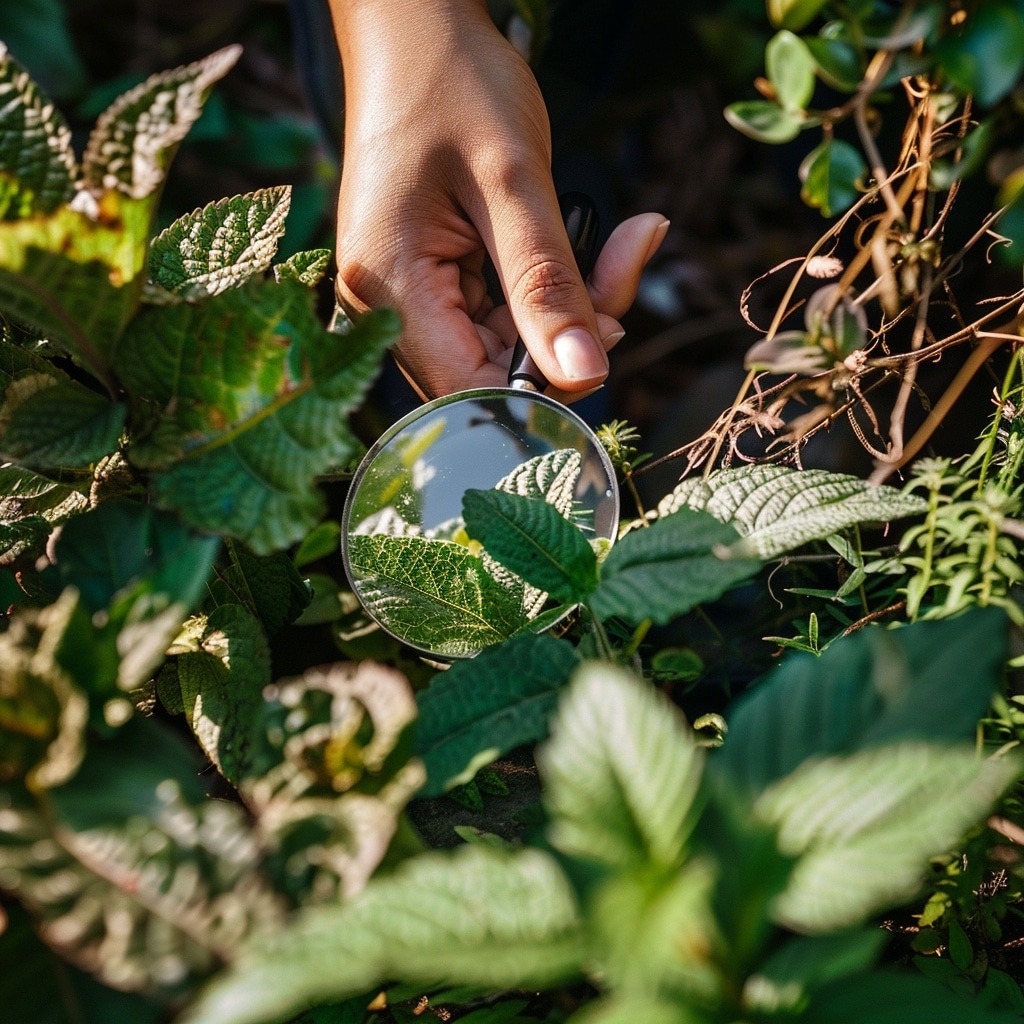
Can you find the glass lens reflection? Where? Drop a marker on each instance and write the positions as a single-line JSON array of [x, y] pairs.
[[406, 550]]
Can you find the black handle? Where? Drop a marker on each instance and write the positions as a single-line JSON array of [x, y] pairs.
[[579, 215]]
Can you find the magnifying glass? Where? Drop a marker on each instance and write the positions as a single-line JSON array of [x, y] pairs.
[[412, 565]]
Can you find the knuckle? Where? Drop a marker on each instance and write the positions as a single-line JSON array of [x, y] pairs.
[[547, 284]]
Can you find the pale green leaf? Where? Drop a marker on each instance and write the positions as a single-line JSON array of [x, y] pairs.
[[133, 141], [929, 681], [48, 423], [433, 594], [766, 121], [620, 771], [37, 163], [664, 571], [308, 267], [633, 1009], [551, 477], [790, 69], [793, 14], [865, 826], [221, 245], [534, 540], [777, 509], [482, 708], [478, 916]]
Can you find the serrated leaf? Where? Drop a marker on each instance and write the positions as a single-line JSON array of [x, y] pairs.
[[308, 267], [551, 477], [480, 916], [832, 176], [30, 507], [47, 423], [37, 163], [927, 681], [131, 146], [620, 772], [662, 572], [790, 69], [482, 708], [534, 540], [433, 594], [136, 876], [765, 121], [269, 586], [865, 826], [258, 408], [220, 246], [777, 509]]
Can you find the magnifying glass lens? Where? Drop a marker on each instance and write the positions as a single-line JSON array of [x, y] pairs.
[[407, 553]]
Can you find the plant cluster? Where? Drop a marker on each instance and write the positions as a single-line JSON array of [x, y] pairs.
[[208, 753]]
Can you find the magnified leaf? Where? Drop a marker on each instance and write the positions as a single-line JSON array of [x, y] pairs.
[[433, 593], [37, 163], [550, 477], [778, 509], [221, 245]]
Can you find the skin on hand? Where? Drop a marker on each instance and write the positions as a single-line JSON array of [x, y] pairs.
[[446, 160]]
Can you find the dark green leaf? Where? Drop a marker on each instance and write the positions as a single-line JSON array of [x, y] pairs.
[[766, 121], [323, 540], [47, 423], [985, 55], [928, 681], [480, 709], [534, 540], [481, 916], [620, 772], [662, 572], [832, 176], [838, 62]]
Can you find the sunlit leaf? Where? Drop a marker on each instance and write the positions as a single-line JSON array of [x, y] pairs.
[[308, 267], [790, 69], [793, 14], [787, 352]]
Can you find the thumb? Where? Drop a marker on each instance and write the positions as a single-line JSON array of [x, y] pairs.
[[547, 297]]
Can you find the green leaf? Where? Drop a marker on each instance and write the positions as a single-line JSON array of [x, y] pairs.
[[259, 407], [927, 681], [308, 267], [39, 33], [37, 163], [482, 708], [985, 55], [550, 477], [804, 963], [793, 14], [839, 62], [270, 586], [662, 572], [631, 1009], [865, 826], [890, 997], [30, 506], [765, 121], [131, 146], [787, 352], [620, 772], [221, 245], [52, 423], [534, 540], [135, 876], [832, 176], [433, 594], [777, 509], [477, 916], [323, 540], [790, 69]]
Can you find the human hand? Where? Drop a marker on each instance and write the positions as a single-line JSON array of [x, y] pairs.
[[447, 159]]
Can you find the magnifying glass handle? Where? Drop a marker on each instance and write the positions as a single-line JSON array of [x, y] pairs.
[[579, 215]]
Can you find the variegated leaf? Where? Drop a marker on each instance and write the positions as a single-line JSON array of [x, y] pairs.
[[777, 509]]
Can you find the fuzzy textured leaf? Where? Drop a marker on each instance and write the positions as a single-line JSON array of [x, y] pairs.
[[621, 771], [133, 141], [483, 708], [308, 267], [926, 681], [258, 408], [550, 477], [479, 916], [433, 594], [37, 163], [777, 509], [47, 423], [221, 245], [865, 826], [663, 571], [534, 540]]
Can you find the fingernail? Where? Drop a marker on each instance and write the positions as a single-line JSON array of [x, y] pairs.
[[579, 356], [612, 339], [657, 238]]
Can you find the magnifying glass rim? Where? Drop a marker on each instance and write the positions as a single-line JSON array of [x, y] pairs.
[[475, 394]]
